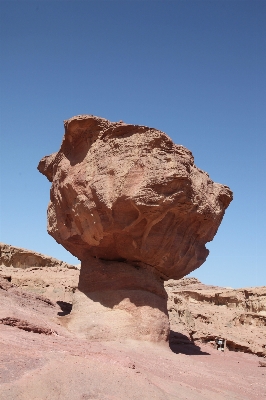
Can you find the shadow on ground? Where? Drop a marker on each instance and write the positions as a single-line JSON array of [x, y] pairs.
[[182, 344], [65, 308]]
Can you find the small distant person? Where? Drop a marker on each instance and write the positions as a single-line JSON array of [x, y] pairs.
[[220, 343]]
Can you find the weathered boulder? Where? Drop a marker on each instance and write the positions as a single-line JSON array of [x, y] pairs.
[[126, 198]]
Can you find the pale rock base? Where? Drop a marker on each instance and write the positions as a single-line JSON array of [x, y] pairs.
[[134, 306]]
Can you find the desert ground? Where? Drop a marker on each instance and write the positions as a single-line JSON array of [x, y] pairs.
[[41, 359]]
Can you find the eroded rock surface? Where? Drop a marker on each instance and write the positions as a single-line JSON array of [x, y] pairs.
[[203, 312], [17, 257], [27, 311], [132, 303], [198, 313], [127, 194], [37, 273]]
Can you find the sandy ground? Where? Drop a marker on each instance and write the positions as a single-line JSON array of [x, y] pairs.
[[41, 360], [53, 367]]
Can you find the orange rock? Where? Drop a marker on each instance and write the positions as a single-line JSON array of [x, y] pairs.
[[127, 193], [205, 312], [115, 300], [37, 273]]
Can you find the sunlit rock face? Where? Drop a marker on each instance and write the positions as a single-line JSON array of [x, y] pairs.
[[127, 194]]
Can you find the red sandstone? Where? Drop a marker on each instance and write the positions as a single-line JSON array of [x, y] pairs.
[[134, 208]]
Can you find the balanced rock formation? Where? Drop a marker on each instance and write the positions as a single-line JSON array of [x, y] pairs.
[[134, 208]]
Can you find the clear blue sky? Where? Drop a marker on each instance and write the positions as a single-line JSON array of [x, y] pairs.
[[193, 69]]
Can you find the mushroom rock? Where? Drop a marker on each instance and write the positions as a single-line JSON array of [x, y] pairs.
[[134, 208]]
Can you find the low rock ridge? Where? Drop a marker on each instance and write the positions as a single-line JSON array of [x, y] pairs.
[[37, 273], [205, 313], [16, 257]]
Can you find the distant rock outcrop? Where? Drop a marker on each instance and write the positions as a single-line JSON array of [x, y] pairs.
[[38, 273], [17, 257], [134, 208], [203, 312]]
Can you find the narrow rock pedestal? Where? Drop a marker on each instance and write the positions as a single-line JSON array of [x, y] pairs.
[[116, 300]]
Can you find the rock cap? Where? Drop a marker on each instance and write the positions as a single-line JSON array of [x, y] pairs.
[[126, 192]]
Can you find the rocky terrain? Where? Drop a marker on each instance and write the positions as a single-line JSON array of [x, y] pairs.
[[204, 313], [197, 312], [42, 360], [37, 273]]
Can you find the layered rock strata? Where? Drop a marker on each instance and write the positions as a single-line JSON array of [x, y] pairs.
[[37, 273], [203, 313], [17, 257], [134, 208]]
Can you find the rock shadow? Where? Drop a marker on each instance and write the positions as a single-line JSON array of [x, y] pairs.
[[65, 308], [182, 344], [112, 298]]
